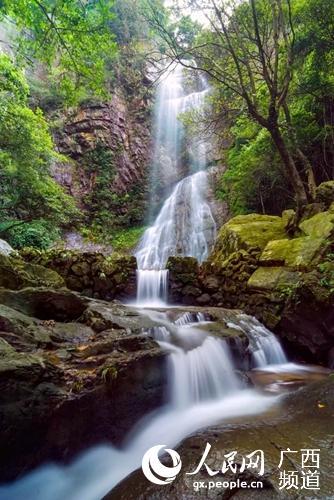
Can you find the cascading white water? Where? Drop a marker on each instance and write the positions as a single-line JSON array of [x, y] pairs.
[[152, 287], [185, 225], [265, 347], [203, 390], [203, 373]]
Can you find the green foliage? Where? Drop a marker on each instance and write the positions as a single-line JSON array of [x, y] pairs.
[[99, 166], [253, 173], [73, 39], [107, 210], [38, 234], [27, 191], [326, 268], [12, 80], [126, 239], [109, 374]]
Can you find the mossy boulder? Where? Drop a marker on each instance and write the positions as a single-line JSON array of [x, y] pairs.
[[16, 274], [325, 193], [183, 265], [246, 232], [91, 273], [272, 278], [297, 253], [320, 225]]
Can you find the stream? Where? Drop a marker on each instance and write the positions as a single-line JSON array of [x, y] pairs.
[[203, 387]]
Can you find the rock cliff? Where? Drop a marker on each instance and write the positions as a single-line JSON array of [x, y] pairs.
[[118, 128]]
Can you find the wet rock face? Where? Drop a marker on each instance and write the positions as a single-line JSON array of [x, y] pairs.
[[120, 126], [307, 319], [93, 274], [83, 376]]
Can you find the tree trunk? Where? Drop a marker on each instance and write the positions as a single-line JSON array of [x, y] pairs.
[[311, 184], [308, 169], [290, 167]]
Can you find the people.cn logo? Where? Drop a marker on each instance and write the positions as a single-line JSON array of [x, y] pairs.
[[155, 471]]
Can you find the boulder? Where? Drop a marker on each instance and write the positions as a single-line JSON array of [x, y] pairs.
[[325, 193], [272, 278], [320, 225], [246, 232], [297, 253], [307, 319], [51, 371], [45, 304], [16, 274], [22, 330]]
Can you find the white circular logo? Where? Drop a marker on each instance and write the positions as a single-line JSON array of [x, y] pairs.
[[152, 467]]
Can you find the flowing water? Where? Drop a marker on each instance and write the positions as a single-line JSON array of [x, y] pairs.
[[185, 225], [202, 385], [203, 389]]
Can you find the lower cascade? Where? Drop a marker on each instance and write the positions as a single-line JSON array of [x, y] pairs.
[[202, 389]]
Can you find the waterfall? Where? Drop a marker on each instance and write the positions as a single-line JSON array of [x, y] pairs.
[[203, 390], [185, 224], [265, 348]]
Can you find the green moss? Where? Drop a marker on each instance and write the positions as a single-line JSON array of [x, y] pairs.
[[296, 253], [319, 226], [246, 232], [126, 239], [271, 278]]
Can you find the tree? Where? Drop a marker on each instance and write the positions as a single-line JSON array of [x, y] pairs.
[[247, 50], [73, 39], [27, 191]]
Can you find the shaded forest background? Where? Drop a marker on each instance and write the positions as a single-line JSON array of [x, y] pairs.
[[270, 66]]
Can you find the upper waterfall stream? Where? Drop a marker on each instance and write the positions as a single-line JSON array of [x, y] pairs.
[[185, 224]]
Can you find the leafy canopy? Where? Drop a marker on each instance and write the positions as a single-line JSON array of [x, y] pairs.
[[72, 38], [27, 191]]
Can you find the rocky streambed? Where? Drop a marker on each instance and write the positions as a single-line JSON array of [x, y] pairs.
[[77, 371], [301, 420]]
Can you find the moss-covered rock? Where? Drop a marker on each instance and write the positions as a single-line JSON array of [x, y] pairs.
[[297, 253], [16, 274], [320, 225], [325, 193], [273, 278], [92, 273], [246, 232]]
